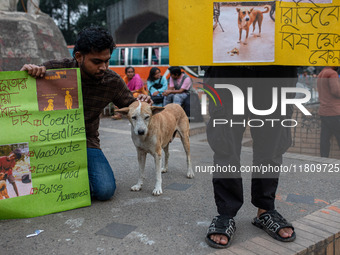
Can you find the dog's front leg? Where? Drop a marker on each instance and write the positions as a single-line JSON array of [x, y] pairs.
[[158, 187], [247, 34], [166, 159], [240, 33], [141, 162]]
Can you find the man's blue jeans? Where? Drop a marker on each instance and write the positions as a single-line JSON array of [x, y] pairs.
[[102, 180], [175, 98]]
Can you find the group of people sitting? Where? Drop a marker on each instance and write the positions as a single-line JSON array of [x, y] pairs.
[[158, 88], [178, 90]]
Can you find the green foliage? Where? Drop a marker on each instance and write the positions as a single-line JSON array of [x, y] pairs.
[[95, 15], [71, 16]]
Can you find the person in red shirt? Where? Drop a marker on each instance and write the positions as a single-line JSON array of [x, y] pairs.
[[7, 163], [329, 96]]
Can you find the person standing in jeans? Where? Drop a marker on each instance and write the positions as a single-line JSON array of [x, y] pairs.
[[329, 111]]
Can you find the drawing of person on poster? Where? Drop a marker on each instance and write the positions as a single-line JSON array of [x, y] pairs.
[[68, 100], [245, 32], [14, 170]]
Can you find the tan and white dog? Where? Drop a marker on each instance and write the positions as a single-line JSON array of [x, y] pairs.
[[152, 129], [248, 16]]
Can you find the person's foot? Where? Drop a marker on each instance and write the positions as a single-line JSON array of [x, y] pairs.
[[284, 232], [221, 232], [220, 239], [223, 240]]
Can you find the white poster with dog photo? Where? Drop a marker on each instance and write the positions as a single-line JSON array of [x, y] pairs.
[[243, 32]]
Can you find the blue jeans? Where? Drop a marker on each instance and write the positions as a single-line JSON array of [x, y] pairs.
[[102, 180], [175, 98]]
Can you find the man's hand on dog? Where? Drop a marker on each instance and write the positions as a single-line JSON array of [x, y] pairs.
[[34, 70], [145, 98]]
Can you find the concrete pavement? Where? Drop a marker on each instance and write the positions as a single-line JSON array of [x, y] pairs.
[[176, 222]]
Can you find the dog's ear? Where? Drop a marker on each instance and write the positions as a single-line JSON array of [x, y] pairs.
[[251, 9], [123, 111], [238, 9], [156, 109]]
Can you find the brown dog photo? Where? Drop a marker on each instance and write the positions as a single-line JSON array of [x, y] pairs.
[[243, 32]]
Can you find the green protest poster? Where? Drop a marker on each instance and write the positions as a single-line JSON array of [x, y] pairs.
[[43, 160]]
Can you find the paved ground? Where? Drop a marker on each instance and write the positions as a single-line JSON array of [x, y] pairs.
[[175, 222]]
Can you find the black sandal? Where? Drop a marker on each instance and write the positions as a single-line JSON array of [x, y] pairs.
[[221, 225], [271, 222]]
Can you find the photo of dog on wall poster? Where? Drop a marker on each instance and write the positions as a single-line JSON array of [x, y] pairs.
[[243, 32]]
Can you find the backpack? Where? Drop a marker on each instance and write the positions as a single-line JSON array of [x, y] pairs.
[[158, 85]]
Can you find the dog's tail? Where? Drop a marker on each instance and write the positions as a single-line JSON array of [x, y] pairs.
[[267, 7]]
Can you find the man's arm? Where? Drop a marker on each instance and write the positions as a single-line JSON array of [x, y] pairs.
[[38, 71], [334, 84], [173, 91], [187, 84], [335, 87]]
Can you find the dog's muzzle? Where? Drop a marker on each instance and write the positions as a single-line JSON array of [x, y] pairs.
[[141, 131]]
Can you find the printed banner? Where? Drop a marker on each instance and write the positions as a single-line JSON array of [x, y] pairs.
[[254, 32], [43, 160]]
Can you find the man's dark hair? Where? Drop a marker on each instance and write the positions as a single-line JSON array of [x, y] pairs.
[[152, 73], [175, 70], [94, 39], [17, 153]]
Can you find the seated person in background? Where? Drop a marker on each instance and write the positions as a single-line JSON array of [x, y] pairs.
[[157, 84], [135, 85], [134, 82], [179, 86]]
